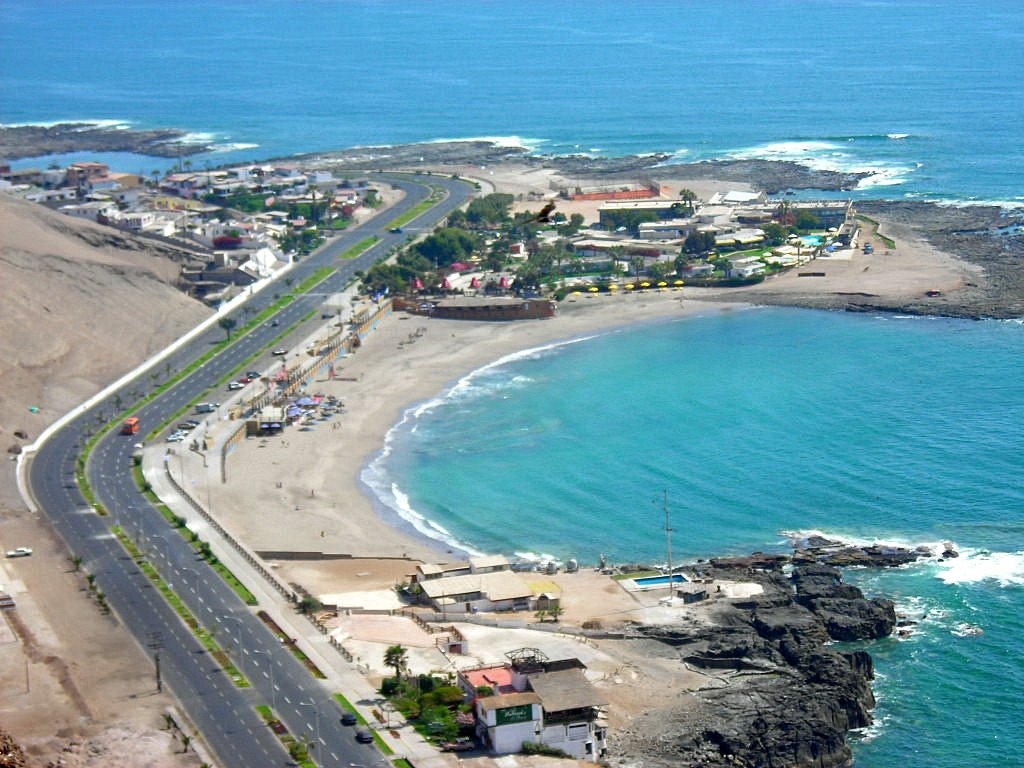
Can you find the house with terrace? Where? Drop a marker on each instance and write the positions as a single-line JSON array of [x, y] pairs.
[[533, 699]]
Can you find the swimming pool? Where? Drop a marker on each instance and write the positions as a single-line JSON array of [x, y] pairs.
[[811, 241], [653, 581]]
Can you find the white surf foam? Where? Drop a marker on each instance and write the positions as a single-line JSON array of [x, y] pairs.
[[974, 566], [514, 142], [389, 494], [826, 156], [233, 146], [846, 539], [87, 124], [469, 385]]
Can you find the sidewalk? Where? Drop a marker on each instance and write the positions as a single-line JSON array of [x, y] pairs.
[[193, 471]]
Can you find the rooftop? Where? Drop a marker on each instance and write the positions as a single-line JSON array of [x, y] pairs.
[[498, 677], [565, 689], [499, 585], [509, 700]]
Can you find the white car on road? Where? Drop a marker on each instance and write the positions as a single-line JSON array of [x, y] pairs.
[[19, 552]]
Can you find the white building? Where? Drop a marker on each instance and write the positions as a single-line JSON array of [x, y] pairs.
[[532, 699]]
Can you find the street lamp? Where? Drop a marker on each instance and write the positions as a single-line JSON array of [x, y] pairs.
[[238, 640], [273, 688], [316, 713]]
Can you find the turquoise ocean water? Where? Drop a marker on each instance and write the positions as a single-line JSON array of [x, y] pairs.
[[756, 422]]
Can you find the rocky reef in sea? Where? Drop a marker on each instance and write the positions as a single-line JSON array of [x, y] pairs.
[[783, 693]]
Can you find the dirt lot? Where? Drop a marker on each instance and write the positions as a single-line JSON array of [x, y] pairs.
[[60, 655]]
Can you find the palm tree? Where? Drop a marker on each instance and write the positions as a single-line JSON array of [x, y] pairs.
[[396, 657], [228, 324]]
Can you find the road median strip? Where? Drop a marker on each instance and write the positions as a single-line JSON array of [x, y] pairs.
[[202, 634]]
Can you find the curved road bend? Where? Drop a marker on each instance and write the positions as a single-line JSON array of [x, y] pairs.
[[223, 713]]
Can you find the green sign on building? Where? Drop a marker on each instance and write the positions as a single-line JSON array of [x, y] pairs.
[[509, 715]]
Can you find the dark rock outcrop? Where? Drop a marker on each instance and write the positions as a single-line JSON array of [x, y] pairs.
[[19, 141], [787, 697]]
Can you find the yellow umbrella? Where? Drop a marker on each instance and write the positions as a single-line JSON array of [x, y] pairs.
[[645, 285], [630, 286], [575, 293], [678, 282], [613, 287], [593, 289], [662, 284]]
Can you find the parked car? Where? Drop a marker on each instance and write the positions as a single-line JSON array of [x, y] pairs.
[[459, 745], [252, 375], [363, 736], [176, 437], [186, 426], [349, 718], [279, 351], [395, 230], [191, 422], [233, 385], [26, 551]]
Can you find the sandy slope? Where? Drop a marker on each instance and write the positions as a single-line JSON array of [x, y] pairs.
[[82, 304]]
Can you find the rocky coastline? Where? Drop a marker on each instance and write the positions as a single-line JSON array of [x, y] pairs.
[[21, 141], [784, 695]]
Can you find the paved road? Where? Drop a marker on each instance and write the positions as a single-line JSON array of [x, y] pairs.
[[223, 713]]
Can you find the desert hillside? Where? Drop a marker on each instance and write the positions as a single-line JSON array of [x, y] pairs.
[[82, 304]]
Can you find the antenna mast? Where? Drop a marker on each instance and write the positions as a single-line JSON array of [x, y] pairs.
[[668, 536]]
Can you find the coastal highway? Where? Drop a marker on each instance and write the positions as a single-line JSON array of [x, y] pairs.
[[224, 713]]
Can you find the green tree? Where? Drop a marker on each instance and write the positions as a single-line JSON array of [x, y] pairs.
[[637, 264], [805, 220], [309, 604], [447, 246], [573, 226], [774, 234], [396, 657], [490, 209], [660, 270], [228, 324], [698, 242]]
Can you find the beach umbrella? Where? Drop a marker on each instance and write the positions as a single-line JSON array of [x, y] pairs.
[[504, 282], [446, 285], [417, 284], [662, 284], [630, 286], [678, 282], [474, 283], [645, 285], [593, 289], [613, 287]]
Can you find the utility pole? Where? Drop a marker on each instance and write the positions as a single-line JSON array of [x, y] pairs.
[[156, 642], [668, 536]]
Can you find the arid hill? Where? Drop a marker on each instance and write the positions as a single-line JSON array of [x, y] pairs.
[[82, 304]]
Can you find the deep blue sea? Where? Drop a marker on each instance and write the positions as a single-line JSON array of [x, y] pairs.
[[756, 422]]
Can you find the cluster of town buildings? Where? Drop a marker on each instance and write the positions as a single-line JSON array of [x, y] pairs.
[[225, 249], [732, 220]]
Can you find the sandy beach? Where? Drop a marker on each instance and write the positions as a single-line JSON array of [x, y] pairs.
[[302, 491]]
